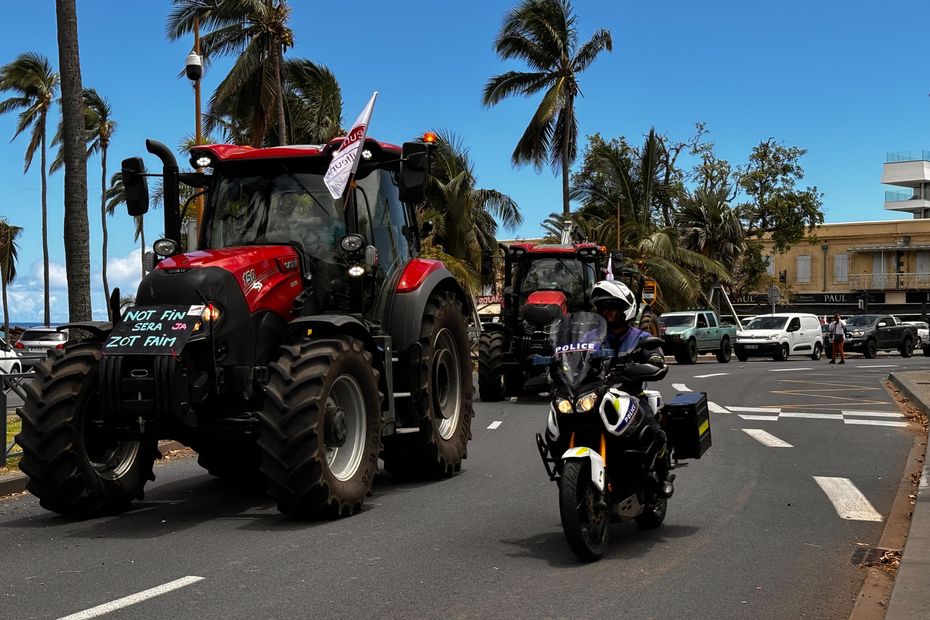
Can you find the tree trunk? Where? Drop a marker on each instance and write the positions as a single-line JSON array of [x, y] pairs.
[[282, 123], [566, 206], [103, 225], [76, 232], [45, 269], [6, 310]]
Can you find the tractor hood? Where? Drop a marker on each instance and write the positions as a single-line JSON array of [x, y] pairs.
[[268, 275], [544, 307]]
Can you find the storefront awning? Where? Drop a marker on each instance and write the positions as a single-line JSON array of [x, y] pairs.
[[888, 248]]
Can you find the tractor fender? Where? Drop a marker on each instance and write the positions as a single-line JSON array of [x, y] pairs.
[[407, 308], [99, 330], [324, 325]]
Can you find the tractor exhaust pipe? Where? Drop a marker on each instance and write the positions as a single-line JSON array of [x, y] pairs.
[[172, 203]]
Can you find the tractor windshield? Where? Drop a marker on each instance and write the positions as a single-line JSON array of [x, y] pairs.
[[277, 207], [566, 274]]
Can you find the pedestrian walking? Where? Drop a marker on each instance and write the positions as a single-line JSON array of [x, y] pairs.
[[837, 334]]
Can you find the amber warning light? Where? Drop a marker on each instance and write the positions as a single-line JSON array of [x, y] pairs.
[[429, 137]]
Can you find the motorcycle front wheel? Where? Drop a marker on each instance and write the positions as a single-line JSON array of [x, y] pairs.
[[583, 511]]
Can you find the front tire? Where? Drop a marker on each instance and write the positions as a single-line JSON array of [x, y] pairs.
[[782, 354], [75, 468], [870, 349], [725, 351], [583, 511], [321, 427], [490, 372], [907, 349], [443, 402], [742, 357], [653, 515], [689, 354], [818, 352]]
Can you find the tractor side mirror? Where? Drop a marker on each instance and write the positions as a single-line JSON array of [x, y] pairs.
[[136, 186], [414, 169]]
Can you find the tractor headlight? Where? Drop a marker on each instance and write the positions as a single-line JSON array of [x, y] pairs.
[[165, 247], [563, 405], [586, 402], [211, 313], [356, 271]]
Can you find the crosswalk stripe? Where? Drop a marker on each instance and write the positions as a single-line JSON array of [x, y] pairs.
[[847, 500], [750, 416], [811, 416], [715, 408], [788, 369], [494, 425], [713, 374], [874, 414], [681, 387], [875, 422], [755, 409], [766, 439]]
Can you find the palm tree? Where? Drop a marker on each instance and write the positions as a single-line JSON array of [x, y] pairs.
[[76, 233], [710, 226], [463, 215], [314, 101], [35, 85], [99, 127], [542, 32], [257, 31], [8, 250]]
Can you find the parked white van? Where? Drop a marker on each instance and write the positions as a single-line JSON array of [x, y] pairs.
[[780, 335]]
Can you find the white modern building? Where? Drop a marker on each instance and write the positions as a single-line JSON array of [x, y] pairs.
[[910, 172]]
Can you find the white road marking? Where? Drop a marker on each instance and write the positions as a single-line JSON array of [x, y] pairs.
[[788, 369], [766, 439], [874, 414], [494, 425], [879, 366], [749, 416], [132, 599], [715, 408], [756, 409], [876, 423], [681, 387], [713, 374], [811, 416], [848, 501]]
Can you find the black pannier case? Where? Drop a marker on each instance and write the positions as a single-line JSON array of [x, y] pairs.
[[687, 423]]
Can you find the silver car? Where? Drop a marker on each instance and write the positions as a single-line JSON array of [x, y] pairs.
[[9, 359], [35, 343]]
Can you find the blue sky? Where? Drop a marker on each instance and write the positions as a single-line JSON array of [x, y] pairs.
[[845, 80]]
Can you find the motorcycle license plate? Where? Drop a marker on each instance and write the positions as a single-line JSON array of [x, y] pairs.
[[752, 346], [154, 330]]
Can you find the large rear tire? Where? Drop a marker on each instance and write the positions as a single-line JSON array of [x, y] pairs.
[[321, 428], [583, 511], [75, 467], [443, 402], [649, 323], [490, 371]]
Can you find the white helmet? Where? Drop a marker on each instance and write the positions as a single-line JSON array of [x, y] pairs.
[[613, 294]]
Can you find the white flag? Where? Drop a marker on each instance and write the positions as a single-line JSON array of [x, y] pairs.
[[610, 269], [345, 159]]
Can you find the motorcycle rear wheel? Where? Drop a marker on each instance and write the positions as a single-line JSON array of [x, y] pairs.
[[583, 511]]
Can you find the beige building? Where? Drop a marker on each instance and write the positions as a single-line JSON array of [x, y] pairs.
[[881, 266]]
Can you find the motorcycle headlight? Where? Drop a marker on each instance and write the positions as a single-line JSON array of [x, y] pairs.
[[563, 405], [586, 402]]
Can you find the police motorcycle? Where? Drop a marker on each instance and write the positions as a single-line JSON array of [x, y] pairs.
[[607, 460]]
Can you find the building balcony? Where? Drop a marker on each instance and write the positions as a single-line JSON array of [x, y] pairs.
[[889, 281], [908, 201], [906, 168]]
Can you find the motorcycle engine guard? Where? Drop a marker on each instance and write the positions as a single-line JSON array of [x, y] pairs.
[[597, 464]]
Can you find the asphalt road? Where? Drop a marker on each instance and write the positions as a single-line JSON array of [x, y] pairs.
[[751, 531]]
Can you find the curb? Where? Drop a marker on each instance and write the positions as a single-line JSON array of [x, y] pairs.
[[914, 401], [16, 482]]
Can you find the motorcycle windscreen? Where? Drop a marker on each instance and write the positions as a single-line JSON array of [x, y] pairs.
[[578, 338]]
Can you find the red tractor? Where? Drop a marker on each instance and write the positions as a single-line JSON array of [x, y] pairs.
[[542, 283], [303, 339]]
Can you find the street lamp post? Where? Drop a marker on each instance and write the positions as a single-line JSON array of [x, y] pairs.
[[825, 249], [193, 68]]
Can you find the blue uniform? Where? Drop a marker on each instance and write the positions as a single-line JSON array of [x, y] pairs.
[[628, 342]]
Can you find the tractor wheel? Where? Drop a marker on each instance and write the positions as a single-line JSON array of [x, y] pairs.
[[75, 466], [490, 373], [443, 402], [321, 427], [649, 323]]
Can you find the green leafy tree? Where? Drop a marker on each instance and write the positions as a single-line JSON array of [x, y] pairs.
[[99, 127], [8, 256], [76, 230], [776, 206], [35, 87], [465, 216], [257, 32], [543, 33]]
